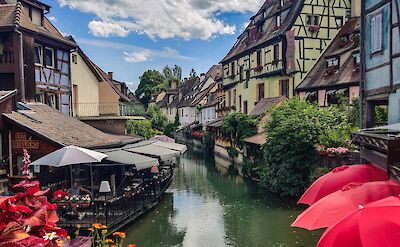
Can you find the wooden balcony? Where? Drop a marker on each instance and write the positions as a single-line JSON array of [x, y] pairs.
[[7, 58], [97, 109]]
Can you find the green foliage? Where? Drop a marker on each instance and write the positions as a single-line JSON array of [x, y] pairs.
[[232, 152], [354, 112], [142, 128], [150, 82], [173, 74], [239, 126], [318, 172], [381, 114], [157, 118], [293, 131], [170, 129]]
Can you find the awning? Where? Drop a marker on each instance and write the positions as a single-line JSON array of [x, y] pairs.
[[342, 90], [259, 139], [124, 157], [164, 154], [173, 146]]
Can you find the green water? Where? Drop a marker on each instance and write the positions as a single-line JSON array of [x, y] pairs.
[[204, 208]]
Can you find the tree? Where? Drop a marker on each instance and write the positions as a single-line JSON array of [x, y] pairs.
[[238, 126], [157, 118], [192, 74], [177, 72], [150, 82], [294, 130], [142, 128]]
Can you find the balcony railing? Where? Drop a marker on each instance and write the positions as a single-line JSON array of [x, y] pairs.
[[103, 109], [7, 57]]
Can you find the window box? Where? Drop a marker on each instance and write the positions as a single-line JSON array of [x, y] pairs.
[[259, 68], [313, 28]]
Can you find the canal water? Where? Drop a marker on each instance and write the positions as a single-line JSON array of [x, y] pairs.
[[209, 206]]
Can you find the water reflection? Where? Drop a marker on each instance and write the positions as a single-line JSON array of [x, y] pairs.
[[205, 208]]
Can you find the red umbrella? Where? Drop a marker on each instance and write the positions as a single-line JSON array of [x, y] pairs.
[[339, 177], [337, 205], [376, 224]]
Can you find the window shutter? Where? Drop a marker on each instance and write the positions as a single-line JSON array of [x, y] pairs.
[[372, 41], [378, 23]]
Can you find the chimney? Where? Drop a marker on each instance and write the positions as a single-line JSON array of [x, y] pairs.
[[110, 74]]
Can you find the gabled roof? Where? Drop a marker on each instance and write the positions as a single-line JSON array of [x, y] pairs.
[[265, 104], [14, 16], [62, 130], [100, 74], [259, 139], [289, 12], [346, 74]]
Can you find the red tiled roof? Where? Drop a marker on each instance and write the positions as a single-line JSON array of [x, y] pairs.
[[63, 130], [264, 105]]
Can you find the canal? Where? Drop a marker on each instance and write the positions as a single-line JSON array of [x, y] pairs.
[[207, 206]]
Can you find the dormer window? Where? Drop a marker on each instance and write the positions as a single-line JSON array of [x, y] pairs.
[[259, 28], [356, 60], [332, 63], [312, 20], [278, 20]]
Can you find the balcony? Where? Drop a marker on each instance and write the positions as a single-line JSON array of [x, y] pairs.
[[7, 58], [98, 109]]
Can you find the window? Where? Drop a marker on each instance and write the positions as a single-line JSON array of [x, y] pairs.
[[259, 28], [356, 59], [52, 100], [376, 33], [74, 58], [312, 20], [241, 73], [339, 21], [284, 85], [276, 53], [49, 57], [240, 103], [282, 3], [332, 62], [233, 72], [229, 99], [278, 20], [38, 55], [259, 58], [245, 110], [260, 91], [234, 97]]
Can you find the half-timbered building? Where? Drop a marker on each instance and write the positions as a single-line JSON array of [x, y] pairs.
[[381, 59], [34, 55], [278, 48]]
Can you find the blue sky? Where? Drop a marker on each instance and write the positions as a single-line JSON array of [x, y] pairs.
[[130, 42]]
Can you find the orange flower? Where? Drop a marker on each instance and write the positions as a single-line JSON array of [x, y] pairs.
[[131, 245], [120, 234], [110, 241], [97, 226], [90, 229]]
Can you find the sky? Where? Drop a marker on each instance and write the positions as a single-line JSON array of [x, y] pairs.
[[129, 37]]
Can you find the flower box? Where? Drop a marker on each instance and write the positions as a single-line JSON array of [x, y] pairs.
[[313, 28]]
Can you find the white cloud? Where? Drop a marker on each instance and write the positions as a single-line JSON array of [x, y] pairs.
[[132, 53], [106, 29], [52, 18], [187, 19], [137, 56]]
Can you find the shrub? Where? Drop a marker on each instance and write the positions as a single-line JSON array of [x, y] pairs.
[[157, 118], [318, 172], [142, 128], [294, 130], [239, 126]]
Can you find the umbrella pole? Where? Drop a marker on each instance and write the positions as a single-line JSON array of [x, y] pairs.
[[70, 174], [91, 180]]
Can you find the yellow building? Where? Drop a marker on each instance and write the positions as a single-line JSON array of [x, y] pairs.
[[280, 45]]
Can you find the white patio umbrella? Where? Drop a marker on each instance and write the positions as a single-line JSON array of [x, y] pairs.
[[69, 156]]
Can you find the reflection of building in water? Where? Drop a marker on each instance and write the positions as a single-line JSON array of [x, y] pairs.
[[222, 165]]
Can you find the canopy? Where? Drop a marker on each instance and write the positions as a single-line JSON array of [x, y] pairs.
[[173, 146], [330, 209], [339, 177], [68, 156], [164, 154], [128, 158], [371, 225]]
